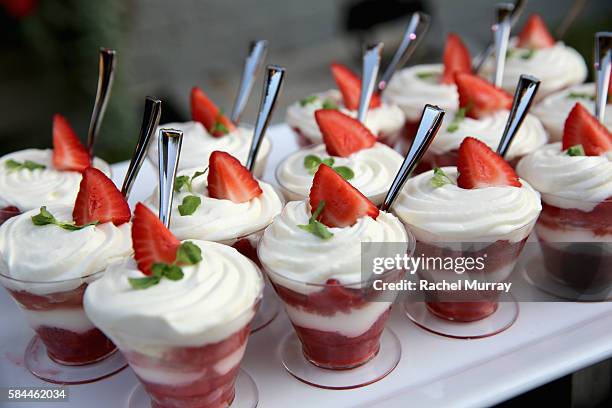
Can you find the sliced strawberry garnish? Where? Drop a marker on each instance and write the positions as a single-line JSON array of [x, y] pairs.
[[535, 34], [582, 128], [481, 98], [343, 135], [8, 212], [68, 151], [479, 167], [151, 240], [204, 110], [229, 179], [344, 204], [456, 58], [350, 87], [99, 200]]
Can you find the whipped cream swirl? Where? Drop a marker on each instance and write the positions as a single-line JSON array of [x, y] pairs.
[[580, 182], [30, 189], [214, 299], [450, 213], [385, 120]]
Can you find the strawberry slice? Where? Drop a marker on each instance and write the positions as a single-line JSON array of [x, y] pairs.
[[151, 240], [343, 135], [456, 58], [204, 110], [229, 179], [344, 204], [582, 128], [480, 167], [68, 151], [350, 87], [480, 97], [99, 200], [535, 34]]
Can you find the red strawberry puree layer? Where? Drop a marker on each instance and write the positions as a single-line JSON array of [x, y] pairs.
[[581, 265], [8, 212], [499, 256], [66, 346], [388, 139], [198, 377]]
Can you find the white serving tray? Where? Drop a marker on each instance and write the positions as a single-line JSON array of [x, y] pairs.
[[547, 341]]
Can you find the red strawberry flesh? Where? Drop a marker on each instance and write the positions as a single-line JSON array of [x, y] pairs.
[[99, 200], [229, 179], [68, 151], [480, 97], [456, 59], [481, 167], [343, 135], [582, 128], [350, 87]]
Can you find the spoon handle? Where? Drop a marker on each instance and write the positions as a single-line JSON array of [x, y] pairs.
[[603, 62], [170, 141], [371, 63], [501, 34], [431, 120], [150, 121], [523, 97], [252, 65], [570, 17], [106, 72], [271, 88]]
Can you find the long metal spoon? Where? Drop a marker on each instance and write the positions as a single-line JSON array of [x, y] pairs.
[[106, 71], [271, 88], [252, 65], [150, 121], [414, 34], [371, 63], [523, 97], [170, 141], [431, 120], [603, 63], [570, 17], [501, 33]]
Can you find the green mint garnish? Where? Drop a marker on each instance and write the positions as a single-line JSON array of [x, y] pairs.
[[576, 150], [329, 104], [581, 95], [187, 253], [312, 163], [510, 52], [309, 100], [426, 75], [440, 178], [316, 227], [189, 205], [14, 165], [218, 126], [44, 217], [529, 54], [458, 118], [186, 181]]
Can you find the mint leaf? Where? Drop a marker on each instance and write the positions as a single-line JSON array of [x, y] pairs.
[[189, 205], [316, 227], [308, 100], [345, 172], [581, 95], [143, 283], [182, 181], [459, 117], [311, 163], [440, 178], [14, 165], [529, 54], [328, 161], [173, 273], [329, 104], [576, 150], [44, 217], [426, 75], [510, 52], [188, 253]]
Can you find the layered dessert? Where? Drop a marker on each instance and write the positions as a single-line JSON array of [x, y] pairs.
[[478, 209], [535, 52], [351, 149], [33, 177], [483, 114], [180, 313], [574, 177], [210, 130], [385, 120], [311, 253], [50, 255]]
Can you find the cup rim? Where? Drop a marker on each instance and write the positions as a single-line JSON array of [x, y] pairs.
[[575, 199]]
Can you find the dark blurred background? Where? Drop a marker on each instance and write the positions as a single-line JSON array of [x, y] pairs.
[[49, 48]]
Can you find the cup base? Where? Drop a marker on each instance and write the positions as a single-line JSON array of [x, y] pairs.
[[38, 362], [377, 368], [269, 308], [246, 394], [506, 314]]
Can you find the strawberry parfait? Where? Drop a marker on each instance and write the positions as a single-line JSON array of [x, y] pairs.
[[574, 177], [180, 313], [33, 177], [535, 52], [210, 130], [350, 149], [311, 253], [385, 120], [479, 209], [50, 255], [483, 115]]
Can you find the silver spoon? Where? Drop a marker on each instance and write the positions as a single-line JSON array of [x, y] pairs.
[[417, 27], [252, 65], [371, 63], [519, 7], [570, 17], [431, 120], [271, 87], [603, 63], [501, 33], [170, 141], [523, 97], [106, 73], [150, 121]]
